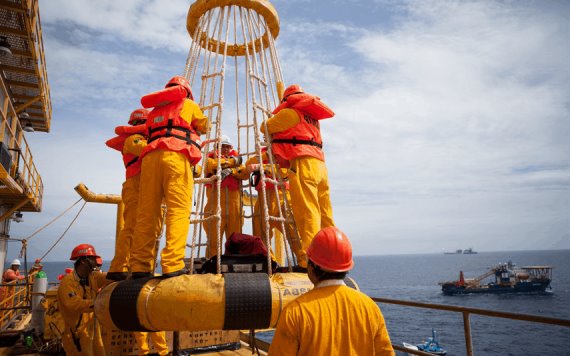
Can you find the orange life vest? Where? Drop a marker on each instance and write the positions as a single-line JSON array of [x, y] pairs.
[[131, 130], [230, 182], [303, 139], [132, 162], [307, 103], [167, 130]]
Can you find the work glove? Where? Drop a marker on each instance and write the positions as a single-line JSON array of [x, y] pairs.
[[226, 172], [253, 167], [196, 171], [235, 161]]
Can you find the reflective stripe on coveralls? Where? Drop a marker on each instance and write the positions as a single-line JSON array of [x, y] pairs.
[[331, 320], [82, 334]]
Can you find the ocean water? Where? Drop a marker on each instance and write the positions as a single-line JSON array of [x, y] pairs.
[[416, 277]]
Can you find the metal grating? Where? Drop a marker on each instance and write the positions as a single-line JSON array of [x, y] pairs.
[[24, 72]]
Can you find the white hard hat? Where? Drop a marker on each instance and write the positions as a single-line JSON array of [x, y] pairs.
[[16, 262], [226, 140]]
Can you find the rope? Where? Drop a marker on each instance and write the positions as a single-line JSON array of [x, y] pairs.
[[49, 223], [256, 74], [62, 235], [159, 237]]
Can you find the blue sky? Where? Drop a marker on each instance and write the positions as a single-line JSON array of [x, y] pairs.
[[451, 130]]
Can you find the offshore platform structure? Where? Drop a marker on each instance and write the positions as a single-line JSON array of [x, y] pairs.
[[234, 61], [25, 107]]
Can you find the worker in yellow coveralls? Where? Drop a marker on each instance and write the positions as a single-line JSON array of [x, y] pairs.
[[75, 296], [297, 144], [273, 203], [233, 172], [157, 338], [174, 127], [130, 141], [331, 319]]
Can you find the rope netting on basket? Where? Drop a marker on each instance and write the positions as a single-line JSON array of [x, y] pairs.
[[234, 63]]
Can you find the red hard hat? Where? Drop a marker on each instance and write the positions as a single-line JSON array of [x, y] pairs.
[[292, 89], [137, 115], [179, 80], [82, 251], [331, 250]]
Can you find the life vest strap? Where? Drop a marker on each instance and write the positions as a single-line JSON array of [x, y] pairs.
[[131, 162], [254, 178], [295, 141], [169, 127]]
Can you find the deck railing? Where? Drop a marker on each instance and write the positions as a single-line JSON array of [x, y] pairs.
[[466, 312], [14, 301], [17, 164]]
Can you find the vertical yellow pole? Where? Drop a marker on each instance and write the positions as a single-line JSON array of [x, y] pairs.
[[280, 89], [278, 241], [120, 221], [467, 330]]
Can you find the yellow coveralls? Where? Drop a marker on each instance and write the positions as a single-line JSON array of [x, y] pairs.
[[157, 338], [331, 319], [169, 175], [308, 186], [130, 195], [82, 334], [134, 145], [230, 204], [258, 228]]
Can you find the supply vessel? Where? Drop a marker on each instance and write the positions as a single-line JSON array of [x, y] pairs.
[[502, 278]]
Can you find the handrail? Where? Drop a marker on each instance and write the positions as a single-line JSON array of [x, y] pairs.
[[14, 300], [34, 27], [22, 169], [466, 312]]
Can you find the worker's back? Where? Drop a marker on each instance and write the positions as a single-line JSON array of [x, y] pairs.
[[333, 320]]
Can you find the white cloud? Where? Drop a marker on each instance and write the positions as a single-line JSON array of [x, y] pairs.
[[451, 129], [448, 107], [151, 24]]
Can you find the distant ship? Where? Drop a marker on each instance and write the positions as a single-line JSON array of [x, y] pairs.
[[456, 252], [467, 251], [431, 345], [507, 279]]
